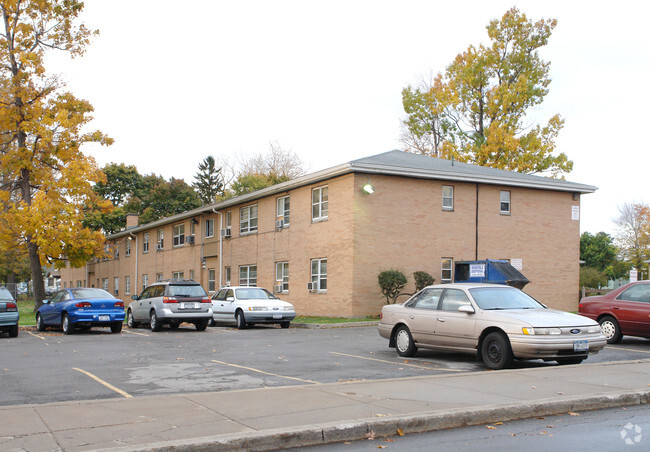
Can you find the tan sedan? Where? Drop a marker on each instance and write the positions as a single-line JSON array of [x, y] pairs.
[[498, 322]]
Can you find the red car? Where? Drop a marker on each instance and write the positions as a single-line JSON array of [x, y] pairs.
[[624, 311]]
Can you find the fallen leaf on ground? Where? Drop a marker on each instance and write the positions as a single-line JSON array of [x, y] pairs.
[[389, 440], [549, 426], [498, 423], [400, 432], [180, 359], [381, 447], [512, 434], [533, 387], [370, 435], [571, 413], [490, 427]]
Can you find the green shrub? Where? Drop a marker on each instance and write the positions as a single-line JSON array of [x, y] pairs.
[[391, 283], [422, 280], [592, 278]]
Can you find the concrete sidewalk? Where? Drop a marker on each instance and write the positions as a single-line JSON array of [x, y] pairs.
[[281, 417]]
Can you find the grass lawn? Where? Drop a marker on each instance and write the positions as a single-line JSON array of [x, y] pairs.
[[26, 311], [317, 319]]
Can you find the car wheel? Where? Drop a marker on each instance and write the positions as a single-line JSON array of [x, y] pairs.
[[285, 324], [610, 329], [116, 327], [201, 325], [495, 351], [13, 331], [241, 321], [130, 321], [404, 342], [40, 326], [66, 326], [564, 361], [154, 324]]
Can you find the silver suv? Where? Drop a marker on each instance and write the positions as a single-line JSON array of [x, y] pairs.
[[170, 302]]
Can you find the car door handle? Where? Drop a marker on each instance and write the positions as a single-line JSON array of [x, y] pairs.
[[411, 317], [615, 307], [441, 320]]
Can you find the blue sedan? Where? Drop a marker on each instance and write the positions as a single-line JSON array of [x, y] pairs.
[[83, 308]]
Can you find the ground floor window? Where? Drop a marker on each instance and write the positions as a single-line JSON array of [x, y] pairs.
[[248, 275], [105, 284], [211, 280], [159, 277], [145, 281], [319, 275], [227, 272], [127, 284], [446, 266], [116, 285], [281, 277]]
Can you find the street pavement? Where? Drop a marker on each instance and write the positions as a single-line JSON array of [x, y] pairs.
[[313, 414]]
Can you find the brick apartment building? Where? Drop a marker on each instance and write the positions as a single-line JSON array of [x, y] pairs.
[[321, 240]]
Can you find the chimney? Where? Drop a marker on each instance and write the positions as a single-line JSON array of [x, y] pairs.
[[131, 220]]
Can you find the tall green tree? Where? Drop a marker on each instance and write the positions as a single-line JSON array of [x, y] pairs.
[[46, 178], [208, 181], [597, 251], [161, 198], [476, 111]]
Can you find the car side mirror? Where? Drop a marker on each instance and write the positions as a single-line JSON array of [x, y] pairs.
[[47, 301], [466, 308], [134, 297], [230, 299]]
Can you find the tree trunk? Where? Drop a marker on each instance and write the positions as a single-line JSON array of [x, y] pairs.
[[37, 275]]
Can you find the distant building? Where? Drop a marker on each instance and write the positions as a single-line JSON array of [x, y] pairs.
[[320, 240]]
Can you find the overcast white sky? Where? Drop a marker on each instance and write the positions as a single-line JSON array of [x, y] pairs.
[[173, 82]]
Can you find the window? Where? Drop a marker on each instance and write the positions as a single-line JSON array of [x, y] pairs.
[[319, 274], [192, 275], [193, 223], [159, 277], [454, 299], [79, 284], [505, 203], [145, 281], [179, 235], [229, 219], [446, 265], [227, 271], [282, 210], [178, 275], [319, 197], [248, 275], [282, 276], [127, 284], [427, 299], [160, 242], [209, 228], [145, 243], [127, 252], [116, 252], [447, 197], [637, 292], [211, 280], [116, 285], [248, 219], [105, 284]]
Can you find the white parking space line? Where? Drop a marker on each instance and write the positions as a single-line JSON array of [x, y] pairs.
[[35, 335], [628, 349], [133, 332], [266, 373], [108, 385], [398, 364]]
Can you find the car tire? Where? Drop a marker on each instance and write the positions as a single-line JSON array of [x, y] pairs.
[[116, 327], [130, 321], [154, 323], [201, 325], [66, 325], [40, 326], [565, 361], [285, 324], [404, 342], [496, 352], [241, 321], [13, 331], [611, 330]]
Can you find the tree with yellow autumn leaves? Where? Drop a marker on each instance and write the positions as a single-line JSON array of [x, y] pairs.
[[476, 111], [45, 178]]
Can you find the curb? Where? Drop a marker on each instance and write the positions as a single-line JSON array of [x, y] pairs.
[[313, 435], [334, 325]]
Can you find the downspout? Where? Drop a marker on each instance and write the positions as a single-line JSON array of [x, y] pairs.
[[135, 283], [476, 227], [220, 246]]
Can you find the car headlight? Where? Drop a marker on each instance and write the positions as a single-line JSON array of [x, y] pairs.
[[541, 331], [288, 308], [258, 308], [594, 329]]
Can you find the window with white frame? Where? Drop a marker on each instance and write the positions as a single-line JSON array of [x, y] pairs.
[[319, 203], [192, 275], [282, 276], [79, 283], [209, 228], [446, 265], [116, 251], [116, 285], [447, 197], [248, 275], [248, 219], [159, 276], [282, 210], [319, 274], [178, 275], [145, 281], [127, 284], [105, 284], [160, 242], [505, 202], [179, 235], [193, 223], [212, 286], [227, 272], [145, 243], [229, 219], [127, 251]]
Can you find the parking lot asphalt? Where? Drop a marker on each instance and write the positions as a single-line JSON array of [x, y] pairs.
[[310, 414]]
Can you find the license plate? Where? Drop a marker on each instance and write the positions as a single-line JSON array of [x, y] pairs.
[[277, 316], [189, 305], [580, 346], [104, 318]]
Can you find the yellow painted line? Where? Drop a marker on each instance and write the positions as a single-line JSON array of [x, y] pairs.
[[108, 385], [263, 372], [35, 335], [397, 364], [133, 332], [628, 349]]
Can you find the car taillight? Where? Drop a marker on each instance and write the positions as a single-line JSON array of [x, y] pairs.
[[169, 300], [118, 304], [381, 315], [83, 304], [206, 300], [11, 307]]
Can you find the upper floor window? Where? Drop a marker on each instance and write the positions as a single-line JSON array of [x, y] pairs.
[[282, 210], [160, 242], [209, 228], [248, 275], [319, 201], [446, 272], [127, 251], [228, 219], [145, 243], [248, 219], [505, 202], [447, 197], [179, 234]]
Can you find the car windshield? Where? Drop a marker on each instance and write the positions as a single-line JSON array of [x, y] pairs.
[[90, 293], [187, 291], [490, 298], [254, 293], [5, 295]]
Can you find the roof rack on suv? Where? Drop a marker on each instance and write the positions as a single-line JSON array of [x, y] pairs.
[[171, 280]]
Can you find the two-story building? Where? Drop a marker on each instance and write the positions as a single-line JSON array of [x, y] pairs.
[[320, 241]]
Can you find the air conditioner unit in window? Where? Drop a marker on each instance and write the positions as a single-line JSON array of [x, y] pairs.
[[159, 246], [279, 224], [312, 287], [226, 233], [277, 289], [189, 239]]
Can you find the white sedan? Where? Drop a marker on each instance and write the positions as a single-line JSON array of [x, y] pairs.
[[246, 306]]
